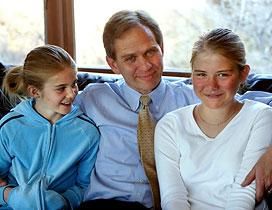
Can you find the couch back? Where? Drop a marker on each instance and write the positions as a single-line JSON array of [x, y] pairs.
[[256, 82]]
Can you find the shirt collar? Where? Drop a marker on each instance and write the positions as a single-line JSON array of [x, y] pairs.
[[132, 96]]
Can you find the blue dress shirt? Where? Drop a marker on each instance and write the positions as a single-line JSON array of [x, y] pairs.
[[114, 107]]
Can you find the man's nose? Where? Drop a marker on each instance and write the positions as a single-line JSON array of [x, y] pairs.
[[144, 63]]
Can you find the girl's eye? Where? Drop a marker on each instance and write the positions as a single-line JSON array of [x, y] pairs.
[[200, 75], [61, 89], [74, 84], [223, 75]]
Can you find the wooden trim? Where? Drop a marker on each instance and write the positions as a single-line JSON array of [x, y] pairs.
[[109, 71], [96, 70], [59, 24], [176, 74]]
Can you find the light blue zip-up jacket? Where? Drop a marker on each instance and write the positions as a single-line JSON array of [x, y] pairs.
[[49, 164]]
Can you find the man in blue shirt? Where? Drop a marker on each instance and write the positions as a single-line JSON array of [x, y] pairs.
[[134, 46]]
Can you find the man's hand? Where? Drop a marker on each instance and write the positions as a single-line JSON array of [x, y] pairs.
[[262, 172], [3, 183]]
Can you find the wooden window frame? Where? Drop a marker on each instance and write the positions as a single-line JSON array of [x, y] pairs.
[[60, 30], [59, 24]]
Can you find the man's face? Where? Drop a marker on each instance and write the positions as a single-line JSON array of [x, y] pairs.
[[139, 59]]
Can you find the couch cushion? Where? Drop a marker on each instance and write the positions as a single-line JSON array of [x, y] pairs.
[[259, 82]]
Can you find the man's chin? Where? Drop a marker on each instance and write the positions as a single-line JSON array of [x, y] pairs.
[[147, 88]]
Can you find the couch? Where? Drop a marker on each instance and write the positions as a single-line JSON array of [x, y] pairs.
[[254, 82]]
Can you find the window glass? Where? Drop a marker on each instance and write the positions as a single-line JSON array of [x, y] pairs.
[[21, 29], [181, 23]]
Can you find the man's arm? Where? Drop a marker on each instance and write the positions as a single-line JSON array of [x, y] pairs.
[[262, 172]]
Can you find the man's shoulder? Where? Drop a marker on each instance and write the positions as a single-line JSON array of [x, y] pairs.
[[102, 86], [177, 82], [98, 93], [97, 89], [93, 86], [179, 87]]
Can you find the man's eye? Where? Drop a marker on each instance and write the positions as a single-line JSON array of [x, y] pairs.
[[151, 52], [130, 59]]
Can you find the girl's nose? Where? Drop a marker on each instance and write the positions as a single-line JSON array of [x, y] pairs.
[[213, 83]]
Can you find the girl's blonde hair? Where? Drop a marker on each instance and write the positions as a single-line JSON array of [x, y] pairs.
[[40, 63], [222, 41]]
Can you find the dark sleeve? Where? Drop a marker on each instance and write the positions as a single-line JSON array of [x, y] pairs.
[[5, 104]]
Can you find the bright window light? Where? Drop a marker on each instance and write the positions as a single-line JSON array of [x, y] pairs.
[[181, 23]]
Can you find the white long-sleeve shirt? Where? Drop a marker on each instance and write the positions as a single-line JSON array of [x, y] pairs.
[[201, 173]]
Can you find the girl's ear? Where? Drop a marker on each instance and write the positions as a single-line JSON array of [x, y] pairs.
[[244, 73], [33, 91]]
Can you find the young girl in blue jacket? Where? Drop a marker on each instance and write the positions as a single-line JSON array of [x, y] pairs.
[[47, 146]]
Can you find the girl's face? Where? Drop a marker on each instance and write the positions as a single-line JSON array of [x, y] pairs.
[[216, 79], [57, 95]]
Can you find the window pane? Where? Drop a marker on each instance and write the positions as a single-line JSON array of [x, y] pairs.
[[181, 23], [21, 29]]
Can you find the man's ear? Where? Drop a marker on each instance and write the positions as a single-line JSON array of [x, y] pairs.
[[112, 63], [33, 91]]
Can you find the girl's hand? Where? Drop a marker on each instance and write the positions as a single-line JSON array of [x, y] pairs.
[[3, 183], [6, 193]]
